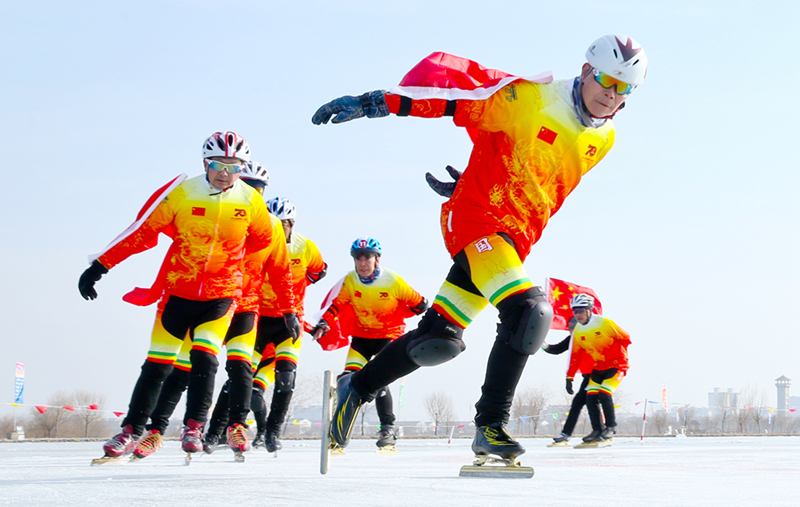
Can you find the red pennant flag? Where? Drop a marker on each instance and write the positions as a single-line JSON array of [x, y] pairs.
[[559, 294], [92, 407], [338, 335], [41, 408], [118, 413], [69, 407]]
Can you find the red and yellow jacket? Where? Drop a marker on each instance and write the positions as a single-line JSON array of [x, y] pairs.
[[380, 308], [273, 264], [306, 267], [601, 343], [530, 153], [211, 231]]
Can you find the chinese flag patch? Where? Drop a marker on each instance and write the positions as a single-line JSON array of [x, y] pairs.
[[199, 212], [547, 135]]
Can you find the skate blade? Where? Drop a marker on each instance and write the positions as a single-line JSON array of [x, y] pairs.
[[559, 444], [337, 451], [387, 449], [110, 459], [238, 456], [590, 445], [497, 471]]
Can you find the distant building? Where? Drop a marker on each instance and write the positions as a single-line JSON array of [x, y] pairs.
[[783, 384], [722, 400]]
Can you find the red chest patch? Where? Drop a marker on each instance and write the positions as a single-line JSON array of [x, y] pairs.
[[199, 212], [547, 135]]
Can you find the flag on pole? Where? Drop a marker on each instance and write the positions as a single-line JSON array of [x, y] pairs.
[[559, 294], [19, 382]]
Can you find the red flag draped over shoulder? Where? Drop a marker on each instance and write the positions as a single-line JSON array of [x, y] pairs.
[[338, 335], [559, 294], [449, 77], [139, 296]]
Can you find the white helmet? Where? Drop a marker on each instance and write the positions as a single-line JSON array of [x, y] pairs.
[[282, 208], [619, 56], [582, 301], [256, 173], [226, 144]]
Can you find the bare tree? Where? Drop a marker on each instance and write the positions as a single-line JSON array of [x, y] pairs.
[[46, 425], [89, 417], [529, 404], [6, 425], [439, 406], [366, 409], [659, 419], [758, 411]]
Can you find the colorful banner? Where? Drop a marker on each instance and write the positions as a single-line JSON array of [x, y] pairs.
[[664, 398], [19, 382], [559, 294]]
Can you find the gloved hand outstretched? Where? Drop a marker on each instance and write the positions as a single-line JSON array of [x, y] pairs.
[[442, 188], [370, 104], [569, 386], [320, 330], [89, 277], [293, 325]]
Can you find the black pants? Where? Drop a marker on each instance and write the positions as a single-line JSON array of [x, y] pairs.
[[369, 348], [578, 402]]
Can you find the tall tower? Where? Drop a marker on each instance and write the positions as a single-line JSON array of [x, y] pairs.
[[783, 383]]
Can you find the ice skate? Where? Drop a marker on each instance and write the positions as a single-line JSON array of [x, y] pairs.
[[347, 408], [387, 438], [258, 442], [192, 437], [496, 455], [210, 442], [560, 441], [271, 441], [593, 439], [608, 434], [148, 445], [116, 448]]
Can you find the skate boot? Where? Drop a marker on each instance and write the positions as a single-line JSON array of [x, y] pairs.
[[272, 442], [122, 443], [258, 442], [210, 442], [148, 445], [387, 436], [192, 436], [562, 439], [495, 440], [237, 438], [593, 437], [608, 433], [348, 405]]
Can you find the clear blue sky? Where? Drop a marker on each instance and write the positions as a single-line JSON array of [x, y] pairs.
[[693, 213]]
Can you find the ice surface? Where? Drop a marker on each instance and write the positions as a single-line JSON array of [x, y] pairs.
[[746, 471]]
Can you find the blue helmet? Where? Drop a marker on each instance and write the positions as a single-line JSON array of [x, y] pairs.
[[365, 245]]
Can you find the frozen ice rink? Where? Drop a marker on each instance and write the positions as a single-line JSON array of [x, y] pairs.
[[746, 471]]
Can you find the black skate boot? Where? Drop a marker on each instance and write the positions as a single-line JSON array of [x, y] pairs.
[[608, 433], [561, 439], [348, 405], [258, 442], [387, 437], [593, 437], [271, 440], [494, 440], [210, 443]]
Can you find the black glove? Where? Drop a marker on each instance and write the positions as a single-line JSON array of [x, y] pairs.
[[293, 325], [569, 386], [442, 188], [321, 326], [89, 277], [370, 104]]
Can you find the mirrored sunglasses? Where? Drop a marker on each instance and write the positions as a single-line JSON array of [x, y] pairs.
[[607, 81], [221, 166]]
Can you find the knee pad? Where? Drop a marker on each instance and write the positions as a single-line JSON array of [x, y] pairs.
[[525, 319], [436, 341], [204, 361], [284, 381]]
